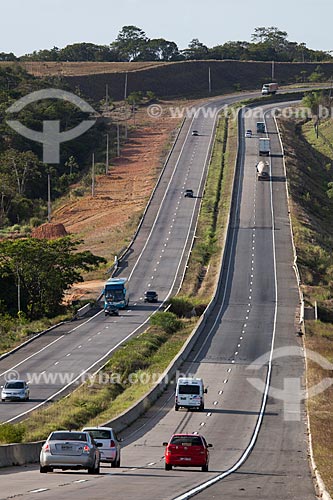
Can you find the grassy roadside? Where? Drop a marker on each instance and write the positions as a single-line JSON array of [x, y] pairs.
[[147, 356], [13, 332], [309, 167]]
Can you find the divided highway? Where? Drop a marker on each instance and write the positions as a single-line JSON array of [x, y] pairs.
[[157, 259], [255, 312]]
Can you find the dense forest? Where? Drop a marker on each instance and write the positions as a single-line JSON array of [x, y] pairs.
[[132, 44]]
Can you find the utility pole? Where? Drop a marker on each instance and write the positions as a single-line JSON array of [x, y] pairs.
[[93, 176], [126, 80], [18, 292], [49, 197], [107, 155], [106, 97], [209, 81], [118, 141], [273, 71]]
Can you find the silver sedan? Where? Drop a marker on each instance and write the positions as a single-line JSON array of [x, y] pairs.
[[70, 450]]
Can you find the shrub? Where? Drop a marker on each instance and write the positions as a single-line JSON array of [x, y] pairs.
[[181, 306], [11, 433], [168, 321]]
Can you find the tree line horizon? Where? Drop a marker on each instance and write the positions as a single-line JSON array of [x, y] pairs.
[[133, 45]]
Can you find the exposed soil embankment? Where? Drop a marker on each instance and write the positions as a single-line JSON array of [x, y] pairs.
[[188, 79]]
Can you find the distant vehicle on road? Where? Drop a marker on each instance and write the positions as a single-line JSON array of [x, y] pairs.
[[116, 293], [264, 146], [269, 88], [262, 170], [190, 393], [195, 132], [15, 390], [151, 296], [187, 450], [248, 133], [110, 449], [188, 193], [261, 128], [70, 450], [111, 310]]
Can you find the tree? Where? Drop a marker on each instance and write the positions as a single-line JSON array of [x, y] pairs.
[[21, 166], [164, 50], [196, 50], [45, 269], [7, 57], [272, 36], [130, 41], [314, 101]]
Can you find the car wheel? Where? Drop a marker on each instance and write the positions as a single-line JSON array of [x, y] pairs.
[[168, 467], [44, 470], [118, 462], [176, 407], [114, 464], [3, 400], [204, 468], [94, 469], [201, 408]]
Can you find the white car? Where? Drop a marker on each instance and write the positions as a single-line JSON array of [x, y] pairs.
[[15, 390], [110, 449], [248, 133]]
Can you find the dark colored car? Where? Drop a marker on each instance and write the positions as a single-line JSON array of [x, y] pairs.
[[70, 450], [111, 310], [195, 132], [187, 450], [188, 193], [151, 296]]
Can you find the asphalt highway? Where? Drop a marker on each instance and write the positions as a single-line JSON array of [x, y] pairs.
[[54, 363], [256, 310]]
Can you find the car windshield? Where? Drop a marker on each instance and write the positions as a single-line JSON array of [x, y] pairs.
[[186, 440], [14, 385], [151, 293], [100, 433], [68, 436]]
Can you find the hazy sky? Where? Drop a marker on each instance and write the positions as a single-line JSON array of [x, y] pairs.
[[28, 25]]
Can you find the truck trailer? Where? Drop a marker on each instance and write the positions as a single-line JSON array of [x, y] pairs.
[[269, 88], [264, 146], [262, 171]]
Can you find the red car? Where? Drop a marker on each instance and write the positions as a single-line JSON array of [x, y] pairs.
[[187, 450]]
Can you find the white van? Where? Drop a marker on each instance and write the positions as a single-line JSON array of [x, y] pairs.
[[190, 393]]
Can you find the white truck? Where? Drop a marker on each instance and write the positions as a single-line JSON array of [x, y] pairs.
[[262, 170], [269, 88], [264, 146]]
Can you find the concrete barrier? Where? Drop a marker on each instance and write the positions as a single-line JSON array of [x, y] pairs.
[[83, 310], [19, 453]]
